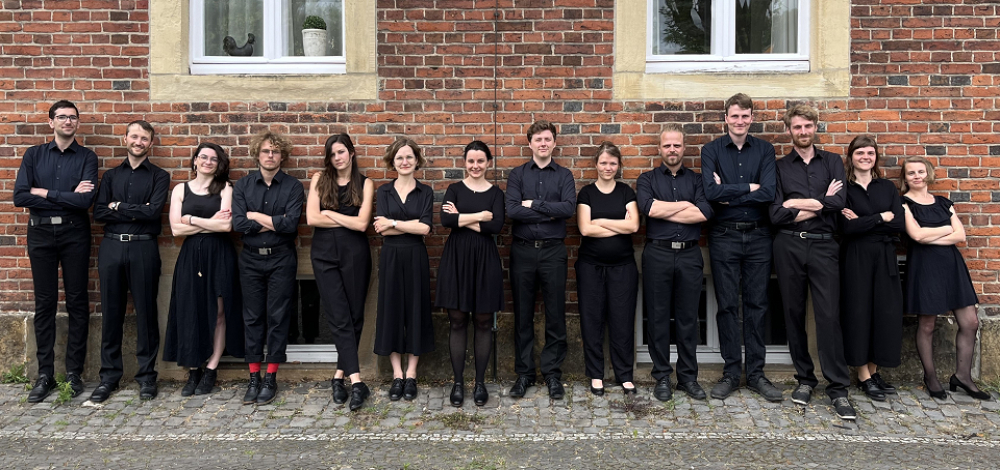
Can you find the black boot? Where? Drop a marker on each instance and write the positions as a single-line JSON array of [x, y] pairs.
[[269, 390], [207, 382], [194, 378], [253, 389]]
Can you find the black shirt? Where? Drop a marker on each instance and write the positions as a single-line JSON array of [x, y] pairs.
[[796, 180], [141, 192], [662, 185], [468, 201], [282, 200], [615, 250], [45, 166], [553, 195], [737, 168], [881, 196], [419, 205]]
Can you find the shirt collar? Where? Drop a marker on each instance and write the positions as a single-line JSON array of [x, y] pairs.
[[552, 164], [666, 171], [278, 177], [794, 153], [73, 147], [145, 164]]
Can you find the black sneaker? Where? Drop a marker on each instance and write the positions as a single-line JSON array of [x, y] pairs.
[[43, 387], [765, 389], [76, 383], [882, 384], [802, 394], [844, 409], [726, 385], [194, 378]]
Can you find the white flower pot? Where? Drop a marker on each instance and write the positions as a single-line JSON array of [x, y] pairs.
[[314, 42]]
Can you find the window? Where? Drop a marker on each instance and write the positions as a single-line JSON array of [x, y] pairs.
[[727, 35], [267, 37]]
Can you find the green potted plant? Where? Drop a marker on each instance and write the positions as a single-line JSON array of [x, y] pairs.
[[314, 36]]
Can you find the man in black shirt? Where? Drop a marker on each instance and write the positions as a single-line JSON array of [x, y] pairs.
[[541, 195], [737, 170], [807, 202], [56, 183], [266, 209], [130, 203], [673, 201]]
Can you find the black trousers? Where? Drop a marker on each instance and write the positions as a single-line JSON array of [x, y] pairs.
[[802, 265], [50, 246], [342, 264], [671, 287], [125, 266], [268, 283], [531, 268], [607, 296]]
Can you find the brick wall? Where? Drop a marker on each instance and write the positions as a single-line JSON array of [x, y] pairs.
[[925, 81]]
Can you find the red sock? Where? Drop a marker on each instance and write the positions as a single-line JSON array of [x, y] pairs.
[[254, 367], [272, 367]]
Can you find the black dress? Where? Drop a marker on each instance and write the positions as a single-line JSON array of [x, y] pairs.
[[470, 276], [342, 265], [403, 324], [937, 278], [871, 296], [206, 270]]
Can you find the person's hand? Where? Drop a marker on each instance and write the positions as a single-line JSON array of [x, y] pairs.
[[485, 216], [449, 208], [834, 188], [754, 187], [40, 192], [224, 214], [887, 216], [381, 224], [715, 177], [849, 214], [85, 186], [527, 203]]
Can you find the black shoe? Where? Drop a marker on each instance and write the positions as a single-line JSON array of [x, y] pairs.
[[103, 392], [194, 378], [339, 391], [629, 391], [766, 389], [76, 383], [556, 390], [939, 394], [269, 389], [663, 391], [872, 390], [597, 391], [844, 409], [802, 394], [253, 389], [954, 383], [726, 385], [43, 387], [479, 394], [359, 393], [396, 390], [521, 386], [409, 389], [148, 390], [457, 394], [207, 382], [885, 386], [692, 389]]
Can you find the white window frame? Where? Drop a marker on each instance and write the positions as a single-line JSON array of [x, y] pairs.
[[272, 62], [724, 57]]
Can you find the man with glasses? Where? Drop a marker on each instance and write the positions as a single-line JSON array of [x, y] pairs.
[[56, 183], [266, 209]]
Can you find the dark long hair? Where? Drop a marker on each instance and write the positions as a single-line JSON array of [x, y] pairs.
[[328, 196], [861, 142], [221, 177]]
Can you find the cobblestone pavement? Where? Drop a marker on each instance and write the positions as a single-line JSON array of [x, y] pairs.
[[305, 429]]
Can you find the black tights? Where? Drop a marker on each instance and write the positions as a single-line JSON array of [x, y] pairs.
[[459, 339], [965, 345]]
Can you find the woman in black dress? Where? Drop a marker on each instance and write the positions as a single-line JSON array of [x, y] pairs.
[[206, 314], [871, 295], [938, 279], [403, 215], [606, 273], [470, 276], [339, 206]]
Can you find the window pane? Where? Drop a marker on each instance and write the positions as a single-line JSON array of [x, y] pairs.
[[767, 26], [296, 12], [683, 27], [234, 28]]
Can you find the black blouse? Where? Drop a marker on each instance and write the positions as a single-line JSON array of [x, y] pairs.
[[880, 196], [419, 205], [468, 201], [615, 250]]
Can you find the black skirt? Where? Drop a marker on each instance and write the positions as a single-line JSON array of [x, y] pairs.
[[871, 302], [206, 270], [403, 324], [937, 280], [470, 276]]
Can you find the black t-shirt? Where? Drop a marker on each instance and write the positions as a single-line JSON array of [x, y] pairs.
[[615, 250]]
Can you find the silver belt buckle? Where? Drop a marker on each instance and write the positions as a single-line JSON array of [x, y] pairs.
[[125, 237], [263, 251], [57, 220], [802, 235], [539, 243], [676, 245]]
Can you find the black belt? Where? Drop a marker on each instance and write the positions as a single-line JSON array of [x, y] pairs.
[[54, 220], [741, 225], [539, 243], [268, 251], [674, 245], [128, 237], [814, 236]]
